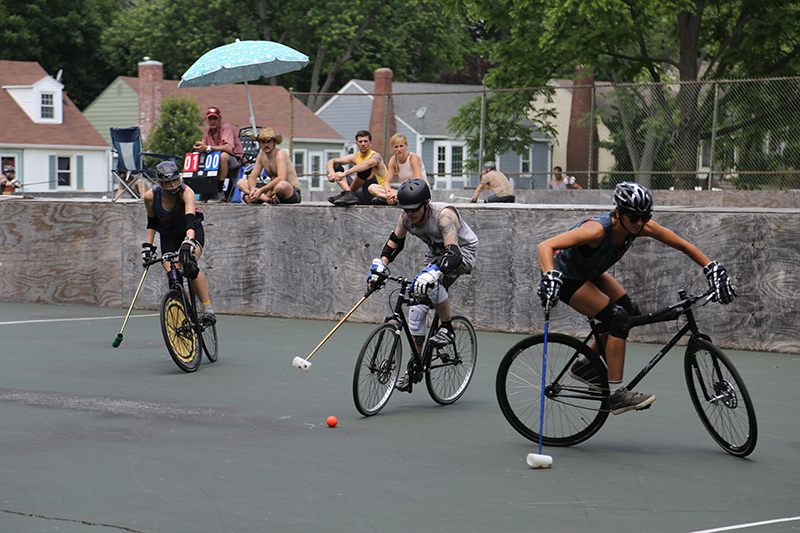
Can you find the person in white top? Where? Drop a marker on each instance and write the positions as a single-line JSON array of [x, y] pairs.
[[559, 182], [406, 164]]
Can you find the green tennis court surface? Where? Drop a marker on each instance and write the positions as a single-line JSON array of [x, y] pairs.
[[94, 439]]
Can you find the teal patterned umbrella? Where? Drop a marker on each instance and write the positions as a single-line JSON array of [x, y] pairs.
[[243, 61]]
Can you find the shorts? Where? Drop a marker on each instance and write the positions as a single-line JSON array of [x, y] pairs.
[[569, 287], [500, 199], [364, 196], [295, 198], [233, 166], [172, 243]]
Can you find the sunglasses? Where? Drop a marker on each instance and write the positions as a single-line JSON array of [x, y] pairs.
[[410, 211], [636, 217]]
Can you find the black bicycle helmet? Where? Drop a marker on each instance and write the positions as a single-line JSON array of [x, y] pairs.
[[633, 198], [413, 193], [167, 171], [8, 169]]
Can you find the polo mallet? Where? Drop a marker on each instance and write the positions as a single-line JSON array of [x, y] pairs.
[[538, 460], [120, 336], [454, 197], [305, 364]]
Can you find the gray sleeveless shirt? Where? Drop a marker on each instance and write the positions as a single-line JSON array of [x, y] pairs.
[[431, 234]]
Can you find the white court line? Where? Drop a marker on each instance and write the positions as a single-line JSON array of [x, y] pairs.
[[752, 524], [72, 319]]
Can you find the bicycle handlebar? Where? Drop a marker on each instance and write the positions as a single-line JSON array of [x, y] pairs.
[[169, 256]]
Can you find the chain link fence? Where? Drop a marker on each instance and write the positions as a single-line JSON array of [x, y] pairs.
[[731, 134]]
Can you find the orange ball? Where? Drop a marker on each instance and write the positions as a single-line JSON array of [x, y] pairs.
[[332, 421]]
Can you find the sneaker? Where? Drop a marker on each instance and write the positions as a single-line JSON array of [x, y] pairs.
[[209, 319], [404, 383], [584, 372], [349, 198], [333, 199], [624, 400], [442, 338], [377, 200]]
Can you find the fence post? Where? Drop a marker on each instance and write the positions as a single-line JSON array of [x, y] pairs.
[[714, 134], [590, 178], [291, 125], [480, 136]]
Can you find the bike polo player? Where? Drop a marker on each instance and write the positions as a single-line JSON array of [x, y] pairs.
[[574, 266], [452, 251], [173, 213]]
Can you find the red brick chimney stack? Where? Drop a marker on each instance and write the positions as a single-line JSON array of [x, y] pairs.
[[383, 87], [580, 130], [151, 73]]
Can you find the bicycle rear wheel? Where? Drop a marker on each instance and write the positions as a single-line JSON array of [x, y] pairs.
[[377, 368], [451, 367], [574, 410], [720, 398], [180, 336]]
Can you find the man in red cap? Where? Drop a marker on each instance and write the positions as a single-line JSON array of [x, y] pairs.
[[221, 137]]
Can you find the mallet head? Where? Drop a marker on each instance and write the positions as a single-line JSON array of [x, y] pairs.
[[538, 460], [301, 363], [117, 340]]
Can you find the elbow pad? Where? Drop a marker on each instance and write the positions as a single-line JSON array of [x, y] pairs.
[[452, 259], [152, 223], [190, 220], [389, 252]]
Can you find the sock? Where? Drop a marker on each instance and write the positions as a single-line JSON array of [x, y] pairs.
[[614, 386], [207, 307]]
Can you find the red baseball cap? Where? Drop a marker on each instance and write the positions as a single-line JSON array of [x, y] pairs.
[[212, 112]]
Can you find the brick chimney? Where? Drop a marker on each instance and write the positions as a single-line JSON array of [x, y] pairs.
[[580, 130], [150, 75], [383, 87]]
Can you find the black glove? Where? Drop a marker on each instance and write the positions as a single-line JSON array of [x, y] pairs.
[[148, 253], [186, 256], [549, 288], [718, 279]]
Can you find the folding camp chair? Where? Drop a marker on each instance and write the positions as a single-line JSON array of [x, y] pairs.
[[127, 144]]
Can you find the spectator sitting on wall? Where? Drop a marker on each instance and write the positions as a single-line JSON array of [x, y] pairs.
[[502, 190]]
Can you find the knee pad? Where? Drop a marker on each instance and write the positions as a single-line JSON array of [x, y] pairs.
[[416, 319], [617, 319], [629, 305], [437, 294]]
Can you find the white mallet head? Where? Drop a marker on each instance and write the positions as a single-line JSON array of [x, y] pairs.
[[301, 363], [452, 195], [538, 460]]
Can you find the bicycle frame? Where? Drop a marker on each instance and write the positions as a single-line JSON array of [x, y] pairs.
[[418, 362], [175, 280], [673, 312]]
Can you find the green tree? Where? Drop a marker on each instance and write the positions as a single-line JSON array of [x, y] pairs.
[[62, 35], [638, 40], [178, 127]]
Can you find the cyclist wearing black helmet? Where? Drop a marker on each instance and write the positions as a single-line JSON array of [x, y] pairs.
[[172, 213], [575, 267], [452, 251]]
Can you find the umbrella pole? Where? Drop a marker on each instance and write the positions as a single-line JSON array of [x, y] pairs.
[[250, 103]]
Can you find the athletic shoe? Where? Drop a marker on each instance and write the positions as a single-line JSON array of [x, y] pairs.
[[624, 400], [584, 372], [442, 338], [349, 198], [209, 319], [377, 200], [333, 199], [404, 383]]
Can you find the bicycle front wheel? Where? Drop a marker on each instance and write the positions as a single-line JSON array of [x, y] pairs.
[[574, 409], [451, 367], [720, 398], [210, 346], [180, 336], [377, 368]]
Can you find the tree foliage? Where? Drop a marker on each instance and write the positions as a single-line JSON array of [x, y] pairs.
[[178, 126]]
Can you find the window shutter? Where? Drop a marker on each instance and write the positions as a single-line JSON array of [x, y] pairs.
[[79, 171], [53, 170]]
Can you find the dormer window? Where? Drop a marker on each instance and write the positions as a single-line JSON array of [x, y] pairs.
[[48, 107]]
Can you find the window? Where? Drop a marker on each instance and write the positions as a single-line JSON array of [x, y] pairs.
[[449, 162], [317, 170], [64, 174], [300, 162], [48, 106]]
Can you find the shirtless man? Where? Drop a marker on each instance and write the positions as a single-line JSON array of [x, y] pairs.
[[283, 187]]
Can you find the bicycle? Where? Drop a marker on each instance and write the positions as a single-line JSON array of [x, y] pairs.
[[575, 409], [447, 370], [185, 334]]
